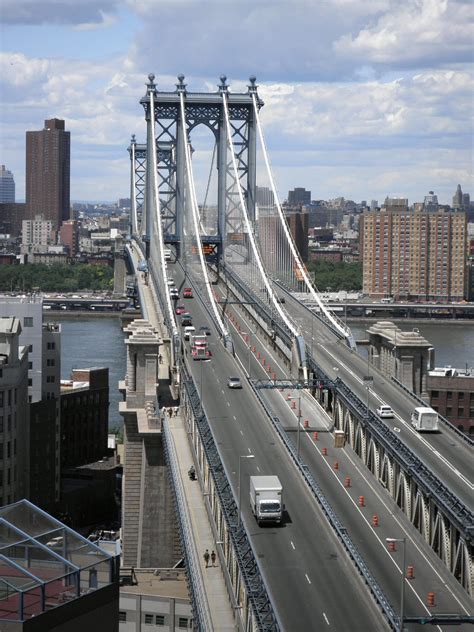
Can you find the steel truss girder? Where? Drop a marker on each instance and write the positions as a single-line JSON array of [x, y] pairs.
[[448, 534], [255, 588]]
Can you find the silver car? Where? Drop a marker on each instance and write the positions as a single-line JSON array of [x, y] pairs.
[[234, 382]]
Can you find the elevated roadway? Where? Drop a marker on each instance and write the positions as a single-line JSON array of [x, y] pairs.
[[310, 579], [431, 575], [445, 453]]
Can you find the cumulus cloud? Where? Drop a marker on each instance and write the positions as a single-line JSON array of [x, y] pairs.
[[414, 32], [86, 12]]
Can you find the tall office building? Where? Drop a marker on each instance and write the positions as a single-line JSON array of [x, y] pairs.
[[414, 255], [14, 412], [299, 196], [48, 172], [457, 198], [7, 185]]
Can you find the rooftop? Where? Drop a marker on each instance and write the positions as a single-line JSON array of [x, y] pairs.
[[161, 582], [44, 564]]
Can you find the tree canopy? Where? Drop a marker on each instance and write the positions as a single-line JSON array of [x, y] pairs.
[[55, 278], [334, 276]]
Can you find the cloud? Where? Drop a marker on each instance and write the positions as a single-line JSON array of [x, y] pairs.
[[414, 33], [85, 12]]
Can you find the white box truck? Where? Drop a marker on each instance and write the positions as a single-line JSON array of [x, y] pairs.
[[266, 498], [424, 418]]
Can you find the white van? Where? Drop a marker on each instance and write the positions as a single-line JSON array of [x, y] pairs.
[[425, 418], [189, 331]]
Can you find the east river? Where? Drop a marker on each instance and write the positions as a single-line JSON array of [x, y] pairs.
[[99, 342]]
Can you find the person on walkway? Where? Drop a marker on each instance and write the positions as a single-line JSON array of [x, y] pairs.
[[206, 557], [160, 358], [213, 557]]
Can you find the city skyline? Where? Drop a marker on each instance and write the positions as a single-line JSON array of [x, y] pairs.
[[364, 100]]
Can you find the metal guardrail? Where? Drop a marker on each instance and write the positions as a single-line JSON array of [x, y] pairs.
[[259, 599], [450, 425], [335, 523], [452, 506], [194, 578]]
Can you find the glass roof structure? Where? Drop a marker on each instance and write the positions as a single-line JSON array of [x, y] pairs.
[[45, 564]]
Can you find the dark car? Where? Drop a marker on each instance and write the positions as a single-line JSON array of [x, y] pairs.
[[186, 319], [205, 330]]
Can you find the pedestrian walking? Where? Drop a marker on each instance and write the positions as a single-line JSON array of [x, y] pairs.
[[206, 557], [213, 557]]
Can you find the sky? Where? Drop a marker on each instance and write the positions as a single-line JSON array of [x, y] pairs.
[[363, 98]]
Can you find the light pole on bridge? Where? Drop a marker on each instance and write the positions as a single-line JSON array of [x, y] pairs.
[[402, 595], [242, 456]]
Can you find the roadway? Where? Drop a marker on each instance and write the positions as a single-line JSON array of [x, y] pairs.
[[430, 575], [448, 457], [310, 580]]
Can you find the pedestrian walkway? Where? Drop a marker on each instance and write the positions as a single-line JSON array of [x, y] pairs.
[[220, 608]]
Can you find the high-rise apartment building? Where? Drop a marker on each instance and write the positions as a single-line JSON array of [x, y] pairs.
[[48, 172], [414, 255], [7, 185]]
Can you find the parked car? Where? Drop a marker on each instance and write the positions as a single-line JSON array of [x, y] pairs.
[[385, 412], [187, 292], [234, 382]]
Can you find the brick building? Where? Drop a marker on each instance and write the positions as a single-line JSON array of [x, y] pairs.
[[48, 172], [84, 416]]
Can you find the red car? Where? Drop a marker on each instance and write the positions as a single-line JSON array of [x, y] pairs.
[[180, 309], [187, 292]]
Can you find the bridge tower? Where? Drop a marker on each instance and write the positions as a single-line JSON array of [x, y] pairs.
[[201, 109]]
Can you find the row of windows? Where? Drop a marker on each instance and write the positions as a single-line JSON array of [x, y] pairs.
[[157, 619], [6, 397]]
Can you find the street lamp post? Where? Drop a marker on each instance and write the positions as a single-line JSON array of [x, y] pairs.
[[402, 595], [298, 430], [243, 456]]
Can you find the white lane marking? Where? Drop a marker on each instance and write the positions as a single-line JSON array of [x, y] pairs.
[[258, 469], [325, 618], [228, 404], [234, 417], [222, 391], [402, 527], [293, 546], [249, 450], [409, 427], [307, 578], [241, 433]]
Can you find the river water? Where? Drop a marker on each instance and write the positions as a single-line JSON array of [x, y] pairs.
[[453, 343], [88, 342], [95, 342]]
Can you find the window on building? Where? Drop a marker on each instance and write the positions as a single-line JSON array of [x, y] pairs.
[[149, 619], [183, 622], [30, 349], [30, 365], [122, 615], [160, 619], [51, 345], [2, 399], [10, 397], [28, 321], [30, 383], [9, 450], [449, 394], [449, 411], [461, 395]]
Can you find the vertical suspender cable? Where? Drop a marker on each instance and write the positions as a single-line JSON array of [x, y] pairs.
[[196, 220], [256, 253], [296, 257], [154, 162]]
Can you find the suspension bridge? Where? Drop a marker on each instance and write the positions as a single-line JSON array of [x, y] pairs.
[[303, 378]]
